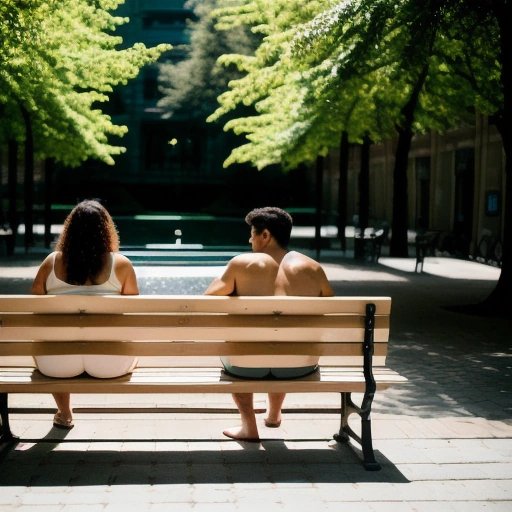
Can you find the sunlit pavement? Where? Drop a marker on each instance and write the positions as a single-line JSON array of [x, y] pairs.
[[443, 439]]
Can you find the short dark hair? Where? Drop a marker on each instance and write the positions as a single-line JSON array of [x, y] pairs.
[[277, 221]]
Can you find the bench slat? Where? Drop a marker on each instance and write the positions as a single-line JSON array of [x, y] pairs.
[[193, 327], [194, 380], [214, 321], [196, 361], [177, 334], [191, 303], [196, 348]]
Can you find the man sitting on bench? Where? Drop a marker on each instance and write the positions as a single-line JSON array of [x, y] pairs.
[[269, 270]]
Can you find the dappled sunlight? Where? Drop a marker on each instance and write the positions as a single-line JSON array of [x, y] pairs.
[[450, 268], [442, 380], [342, 273]]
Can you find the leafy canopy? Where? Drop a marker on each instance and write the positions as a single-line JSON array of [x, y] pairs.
[[58, 60], [351, 66]]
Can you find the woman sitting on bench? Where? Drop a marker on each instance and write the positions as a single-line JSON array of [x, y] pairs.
[[86, 262]]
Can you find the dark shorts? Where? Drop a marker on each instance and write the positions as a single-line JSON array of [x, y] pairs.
[[264, 373]]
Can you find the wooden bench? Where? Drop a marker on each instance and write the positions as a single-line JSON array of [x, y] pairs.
[[179, 340]]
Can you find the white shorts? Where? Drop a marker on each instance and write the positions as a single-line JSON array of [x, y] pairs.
[[102, 367]]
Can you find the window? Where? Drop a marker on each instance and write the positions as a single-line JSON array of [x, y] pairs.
[[167, 20], [150, 84]]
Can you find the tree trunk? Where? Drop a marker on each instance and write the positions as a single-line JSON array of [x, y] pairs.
[[12, 192], [319, 201], [28, 186], [398, 246], [364, 198], [343, 190], [48, 188], [501, 297]]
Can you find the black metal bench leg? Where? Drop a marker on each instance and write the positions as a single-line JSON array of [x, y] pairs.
[[6, 436], [348, 407], [343, 436], [365, 440], [369, 462]]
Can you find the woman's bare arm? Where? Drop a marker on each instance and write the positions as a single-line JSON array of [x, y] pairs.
[[39, 283], [126, 275]]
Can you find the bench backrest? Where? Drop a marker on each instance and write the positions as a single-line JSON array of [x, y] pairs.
[[181, 326]]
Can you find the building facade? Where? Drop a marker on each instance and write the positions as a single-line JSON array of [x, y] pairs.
[[456, 184]]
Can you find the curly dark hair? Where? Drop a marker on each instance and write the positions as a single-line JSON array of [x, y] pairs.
[[276, 220], [89, 234]]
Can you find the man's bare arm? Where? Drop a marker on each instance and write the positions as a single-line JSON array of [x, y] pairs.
[[327, 291], [325, 287], [225, 284]]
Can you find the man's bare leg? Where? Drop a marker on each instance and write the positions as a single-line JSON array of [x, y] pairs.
[[275, 404], [248, 431]]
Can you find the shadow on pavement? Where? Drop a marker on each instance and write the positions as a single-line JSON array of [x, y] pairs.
[[271, 462]]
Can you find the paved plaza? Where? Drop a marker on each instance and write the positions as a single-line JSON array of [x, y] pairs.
[[444, 439]]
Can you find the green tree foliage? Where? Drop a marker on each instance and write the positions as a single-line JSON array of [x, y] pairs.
[[338, 66], [59, 59], [272, 83], [191, 86]]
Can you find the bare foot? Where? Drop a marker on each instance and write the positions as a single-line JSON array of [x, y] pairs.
[[239, 434]]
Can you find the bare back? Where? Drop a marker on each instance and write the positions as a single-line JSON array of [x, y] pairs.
[[260, 274], [246, 274], [122, 266], [301, 275]]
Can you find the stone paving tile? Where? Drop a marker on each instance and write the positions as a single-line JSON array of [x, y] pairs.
[[457, 471], [216, 507], [447, 491], [57, 507], [482, 506], [83, 508], [172, 493], [166, 507]]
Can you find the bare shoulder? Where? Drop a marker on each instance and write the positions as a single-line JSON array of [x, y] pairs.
[[121, 260], [126, 274], [301, 275], [295, 260], [246, 274], [123, 266], [53, 255], [253, 259], [47, 264], [39, 284]]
